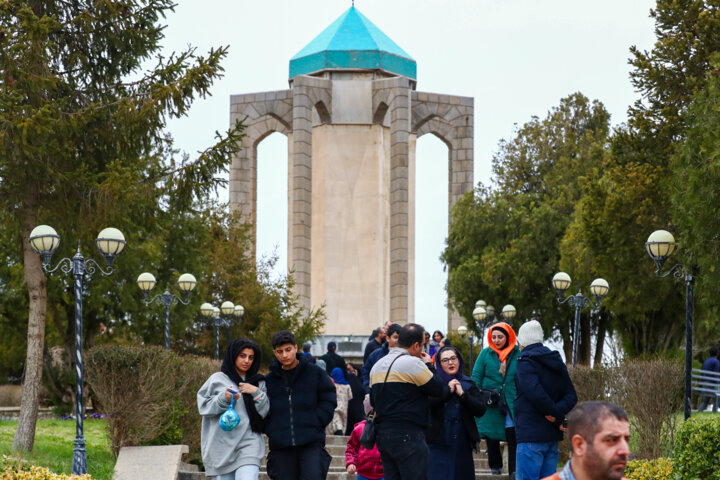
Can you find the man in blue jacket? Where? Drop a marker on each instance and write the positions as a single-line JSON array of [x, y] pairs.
[[545, 395], [391, 340], [712, 364], [302, 402]]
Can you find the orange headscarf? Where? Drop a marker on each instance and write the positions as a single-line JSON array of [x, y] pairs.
[[509, 333]]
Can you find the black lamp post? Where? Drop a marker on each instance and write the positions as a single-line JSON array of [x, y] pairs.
[[110, 242], [660, 245], [598, 288], [186, 283], [211, 312]]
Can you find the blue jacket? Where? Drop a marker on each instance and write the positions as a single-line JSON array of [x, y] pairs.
[[372, 359], [543, 388], [712, 364], [302, 403]]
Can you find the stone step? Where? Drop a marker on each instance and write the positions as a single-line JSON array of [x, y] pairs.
[[332, 475]]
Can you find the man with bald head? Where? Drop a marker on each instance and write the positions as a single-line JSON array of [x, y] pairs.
[[599, 435]]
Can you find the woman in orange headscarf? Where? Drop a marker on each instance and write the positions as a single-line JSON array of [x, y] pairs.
[[495, 369]]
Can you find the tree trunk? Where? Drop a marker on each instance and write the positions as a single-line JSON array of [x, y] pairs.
[[37, 292], [601, 332]]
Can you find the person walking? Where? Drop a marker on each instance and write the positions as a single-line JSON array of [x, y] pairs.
[[358, 459], [391, 340], [712, 364], [599, 440], [355, 405], [434, 344], [234, 455], [374, 343], [545, 395], [344, 394], [495, 369], [453, 436], [302, 403], [333, 360], [400, 384]]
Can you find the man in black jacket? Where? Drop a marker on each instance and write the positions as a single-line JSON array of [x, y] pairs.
[[302, 402], [333, 360], [374, 343]]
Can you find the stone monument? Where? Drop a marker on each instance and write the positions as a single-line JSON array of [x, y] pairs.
[[352, 116]]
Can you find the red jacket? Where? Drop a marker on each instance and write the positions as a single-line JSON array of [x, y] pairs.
[[366, 461]]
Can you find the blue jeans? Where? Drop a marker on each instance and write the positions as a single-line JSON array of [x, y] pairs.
[[246, 472], [536, 460], [404, 454], [360, 477]]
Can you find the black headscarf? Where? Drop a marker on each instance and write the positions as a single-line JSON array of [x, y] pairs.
[[442, 373], [251, 376]]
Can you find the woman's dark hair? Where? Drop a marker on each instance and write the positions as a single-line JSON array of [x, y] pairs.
[[251, 376], [237, 346], [438, 331]]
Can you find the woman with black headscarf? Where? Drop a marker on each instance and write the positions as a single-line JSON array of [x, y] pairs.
[[453, 436], [234, 454]]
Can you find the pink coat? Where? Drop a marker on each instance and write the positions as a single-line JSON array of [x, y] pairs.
[[366, 461]]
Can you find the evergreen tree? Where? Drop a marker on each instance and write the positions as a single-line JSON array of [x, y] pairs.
[[82, 135]]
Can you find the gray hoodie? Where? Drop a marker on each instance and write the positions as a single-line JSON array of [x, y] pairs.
[[224, 452]]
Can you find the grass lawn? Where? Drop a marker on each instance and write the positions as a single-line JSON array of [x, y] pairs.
[[54, 446]]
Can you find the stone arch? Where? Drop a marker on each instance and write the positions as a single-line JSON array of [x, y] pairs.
[[323, 113], [438, 127], [380, 112]]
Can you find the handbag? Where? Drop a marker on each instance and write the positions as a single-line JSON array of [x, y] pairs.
[[367, 438], [230, 419], [491, 396]]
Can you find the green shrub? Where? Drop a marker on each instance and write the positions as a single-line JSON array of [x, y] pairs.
[[656, 469], [11, 469], [149, 394], [697, 449]]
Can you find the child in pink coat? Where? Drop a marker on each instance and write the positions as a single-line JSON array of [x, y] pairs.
[[366, 463]]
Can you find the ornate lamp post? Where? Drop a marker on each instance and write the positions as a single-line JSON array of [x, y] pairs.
[[479, 314], [660, 245], [210, 312], [508, 313], [186, 283], [110, 242], [598, 288], [228, 308], [462, 330]]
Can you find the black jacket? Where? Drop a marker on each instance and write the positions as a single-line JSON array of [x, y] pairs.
[[333, 360], [301, 404], [371, 346], [543, 388], [471, 406]]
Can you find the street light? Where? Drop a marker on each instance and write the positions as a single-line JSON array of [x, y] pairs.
[[660, 245], [186, 283], [508, 312], [598, 288], [228, 308], [479, 315], [110, 242], [462, 330]]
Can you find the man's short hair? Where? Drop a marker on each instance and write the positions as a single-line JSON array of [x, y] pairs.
[[410, 334], [393, 328], [306, 346], [282, 337], [331, 346], [713, 351], [585, 418]]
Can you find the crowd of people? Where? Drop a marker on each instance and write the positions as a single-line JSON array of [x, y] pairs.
[[429, 417]]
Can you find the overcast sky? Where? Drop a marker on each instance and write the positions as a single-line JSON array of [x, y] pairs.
[[517, 58]]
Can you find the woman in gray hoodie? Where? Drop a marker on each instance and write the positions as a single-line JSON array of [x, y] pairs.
[[234, 455]]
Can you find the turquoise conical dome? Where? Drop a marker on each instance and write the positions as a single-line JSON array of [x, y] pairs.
[[352, 42]]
